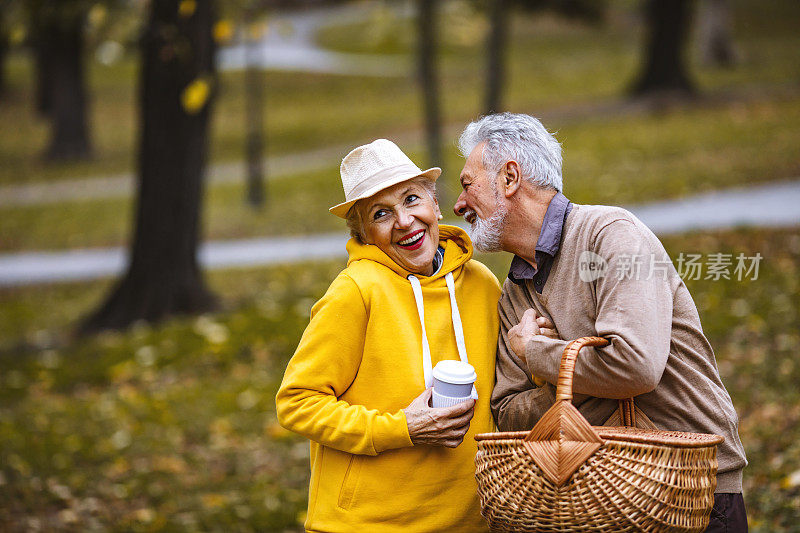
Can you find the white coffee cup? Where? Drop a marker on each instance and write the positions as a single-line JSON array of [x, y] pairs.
[[452, 383]]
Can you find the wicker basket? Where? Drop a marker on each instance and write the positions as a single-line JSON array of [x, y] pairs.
[[566, 475]]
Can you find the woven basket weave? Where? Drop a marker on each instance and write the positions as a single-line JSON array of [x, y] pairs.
[[566, 475]]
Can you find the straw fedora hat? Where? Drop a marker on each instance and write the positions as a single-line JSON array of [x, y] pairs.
[[373, 167]]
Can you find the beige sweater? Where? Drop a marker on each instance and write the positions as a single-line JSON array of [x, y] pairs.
[[658, 352]]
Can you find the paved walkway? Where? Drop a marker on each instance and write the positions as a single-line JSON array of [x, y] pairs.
[[122, 185], [28, 268], [290, 44], [296, 163], [772, 205], [768, 205]]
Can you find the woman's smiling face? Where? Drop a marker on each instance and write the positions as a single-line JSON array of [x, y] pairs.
[[403, 221]]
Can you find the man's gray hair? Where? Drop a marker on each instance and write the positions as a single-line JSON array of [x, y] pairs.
[[521, 138]]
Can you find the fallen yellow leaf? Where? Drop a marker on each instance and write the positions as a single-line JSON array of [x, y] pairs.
[[169, 464], [791, 481], [213, 500], [276, 431]]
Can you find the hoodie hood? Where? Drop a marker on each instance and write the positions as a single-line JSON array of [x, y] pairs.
[[454, 240]]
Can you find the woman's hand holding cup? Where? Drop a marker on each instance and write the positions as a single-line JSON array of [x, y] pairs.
[[438, 426]]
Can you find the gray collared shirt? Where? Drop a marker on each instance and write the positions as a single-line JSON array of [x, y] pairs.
[[546, 247]]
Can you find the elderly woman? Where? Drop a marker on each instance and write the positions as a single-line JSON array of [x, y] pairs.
[[358, 386]]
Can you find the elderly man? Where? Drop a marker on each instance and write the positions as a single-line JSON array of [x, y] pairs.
[[583, 270]]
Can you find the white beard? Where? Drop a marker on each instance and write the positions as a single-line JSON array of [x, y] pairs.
[[486, 234]]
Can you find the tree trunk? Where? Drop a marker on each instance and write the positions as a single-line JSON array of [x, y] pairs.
[[3, 52], [665, 69], [428, 75], [163, 277], [43, 77], [254, 107], [716, 43], [495, 68], [63, 45]]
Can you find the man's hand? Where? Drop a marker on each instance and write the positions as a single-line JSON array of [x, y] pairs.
[[519, 335], [546, 327], [530, 325]]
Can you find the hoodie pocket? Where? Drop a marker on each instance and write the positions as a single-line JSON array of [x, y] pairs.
[[350, 482]]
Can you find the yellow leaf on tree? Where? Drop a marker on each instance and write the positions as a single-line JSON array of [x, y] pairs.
[[187, 8], [18, 35], [257, 30], [97, 15], [195, 95], [223, 31]]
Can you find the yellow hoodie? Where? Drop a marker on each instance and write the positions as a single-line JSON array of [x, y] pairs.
[[359, 363]]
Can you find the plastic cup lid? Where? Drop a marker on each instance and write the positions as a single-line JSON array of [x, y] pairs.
[[455, 372]]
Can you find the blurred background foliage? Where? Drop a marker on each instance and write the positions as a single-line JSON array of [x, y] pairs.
[[172, 427]]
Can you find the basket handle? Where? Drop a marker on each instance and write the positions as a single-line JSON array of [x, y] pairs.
[[565, 371], [627, 410], [562, 440]]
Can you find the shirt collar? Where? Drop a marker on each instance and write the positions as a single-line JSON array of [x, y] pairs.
[[553, 224], [549, 238]]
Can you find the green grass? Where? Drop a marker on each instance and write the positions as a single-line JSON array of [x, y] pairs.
[[168, 428], [173, 427], [609, 157], [617, 160], [752, 326], [302, 111], [552, 58], [689, 151], [552, 62], [292, 210]]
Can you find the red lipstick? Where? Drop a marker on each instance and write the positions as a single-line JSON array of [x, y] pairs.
[[419, 235]]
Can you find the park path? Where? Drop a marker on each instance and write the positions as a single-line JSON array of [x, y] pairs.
[[295, 164], [289, 44], [772, 205], [122, 185], [290, 164]]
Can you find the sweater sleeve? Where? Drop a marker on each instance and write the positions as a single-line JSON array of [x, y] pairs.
[[323, 367], [633, 309], [517, 403]]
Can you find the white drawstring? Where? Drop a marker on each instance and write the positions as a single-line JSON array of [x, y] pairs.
[[458, 329], [427, 369]]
